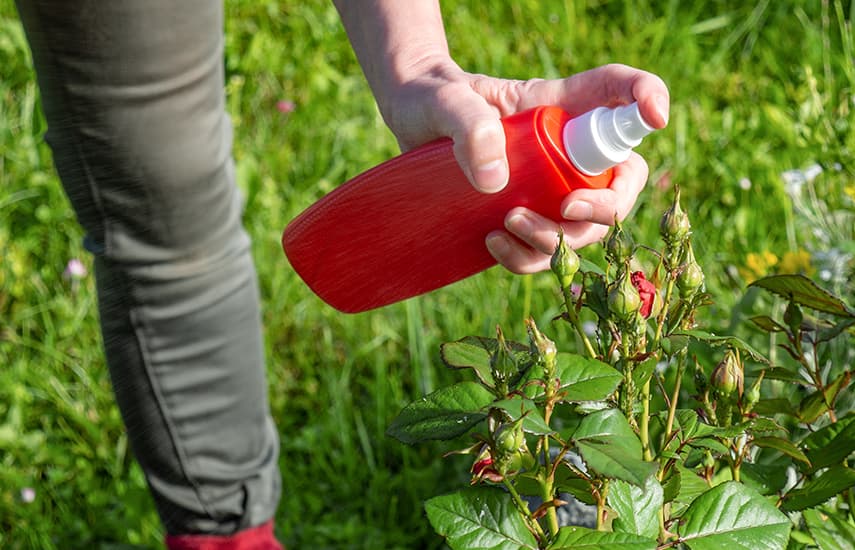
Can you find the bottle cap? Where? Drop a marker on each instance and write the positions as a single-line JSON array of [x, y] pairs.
[[603, 137]]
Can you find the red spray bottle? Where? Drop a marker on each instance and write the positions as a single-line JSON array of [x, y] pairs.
[[415, 223]]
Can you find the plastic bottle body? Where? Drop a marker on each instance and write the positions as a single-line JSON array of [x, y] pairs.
[[414, 223]]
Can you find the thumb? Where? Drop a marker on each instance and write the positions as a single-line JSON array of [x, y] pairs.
[[479, 141]]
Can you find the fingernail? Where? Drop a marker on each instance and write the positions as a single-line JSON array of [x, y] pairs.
[[662, 107], [578, 211], [519, 224], [498, 246], [492, 176]]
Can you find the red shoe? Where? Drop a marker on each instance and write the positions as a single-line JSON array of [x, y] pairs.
[[254, 538]]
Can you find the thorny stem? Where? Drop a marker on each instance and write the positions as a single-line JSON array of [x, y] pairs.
[[547, 484], [672, 406], [573, 315], [644, 426], [601, 505], [522, 507]]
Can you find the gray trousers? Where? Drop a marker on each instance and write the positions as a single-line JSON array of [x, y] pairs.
[[133, 92]]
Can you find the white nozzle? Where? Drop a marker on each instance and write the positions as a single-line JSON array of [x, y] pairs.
[[602, 138]]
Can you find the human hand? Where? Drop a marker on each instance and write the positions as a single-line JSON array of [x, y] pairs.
[[443, 100]]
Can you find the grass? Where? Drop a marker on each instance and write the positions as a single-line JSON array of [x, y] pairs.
[[756, 89]]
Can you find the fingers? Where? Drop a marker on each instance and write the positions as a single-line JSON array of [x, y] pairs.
[[530, 239], [616, 84], [602, 206], [479, 137], [609, 85]]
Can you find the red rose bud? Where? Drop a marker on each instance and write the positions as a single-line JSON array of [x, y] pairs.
[[646, 291], [624, 299], [483, 469]]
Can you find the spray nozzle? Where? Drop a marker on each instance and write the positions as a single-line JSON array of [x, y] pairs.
[[602, 138]]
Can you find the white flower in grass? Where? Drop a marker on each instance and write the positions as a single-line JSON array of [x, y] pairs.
[[28, 495], [794, 180], [745, 184]]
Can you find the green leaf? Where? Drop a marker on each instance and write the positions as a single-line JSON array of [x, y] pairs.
[[764, 322], [586, 379], [610, 447], [766, 479], [834, 480], [828, 334], [727, 341], [783, 445], [479, 518], [733, 516], [710, 444], [568, 482], [831, 444], [817, 403], [444, 414], [637, 508], [829, 531], [533, 422], [671, 485], [691, 487], [582, 538], [587, 266], [471, 352], [643, 371], [805, 292]]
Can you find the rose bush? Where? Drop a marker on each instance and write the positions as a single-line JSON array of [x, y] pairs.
[[681, 437]]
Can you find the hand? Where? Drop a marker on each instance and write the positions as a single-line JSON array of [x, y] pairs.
[[443, 100]]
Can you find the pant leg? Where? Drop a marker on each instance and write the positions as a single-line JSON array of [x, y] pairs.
[[133, 94]]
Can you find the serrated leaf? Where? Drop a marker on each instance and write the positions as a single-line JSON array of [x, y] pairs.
[[709, 444], [829, 531], [733, 516], [444, 414], [777, 405], [533, 422], [471, 352], [671, 486], [582, 538], [832, 444], [568, 482], [729, 341], [766, 479], [832, 481], [479, 518], [764, 322], [584, 379], [691, 487], [637, 508], [805, 292], [610, 447], [782, 445], [817, 403], [828, 334]]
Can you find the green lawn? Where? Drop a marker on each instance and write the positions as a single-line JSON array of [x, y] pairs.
[[758, 89]]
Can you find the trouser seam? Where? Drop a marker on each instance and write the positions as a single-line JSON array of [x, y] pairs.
[[139, 327]]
